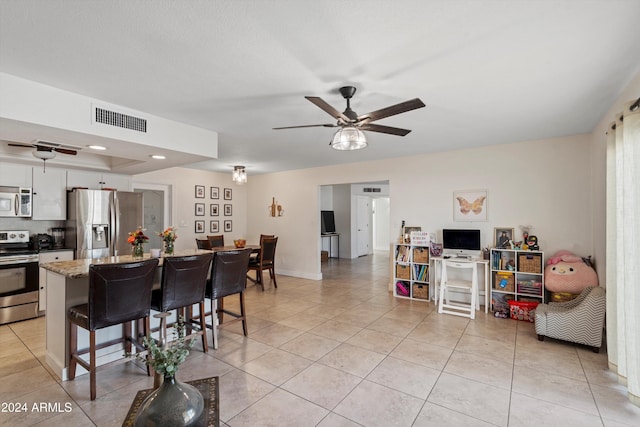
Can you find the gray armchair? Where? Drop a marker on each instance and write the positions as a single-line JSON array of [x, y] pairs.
[[580, 320]]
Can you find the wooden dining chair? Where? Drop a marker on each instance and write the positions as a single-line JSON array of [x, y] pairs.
[[216, 241], [203, 244], [118, 294], [265, 261]]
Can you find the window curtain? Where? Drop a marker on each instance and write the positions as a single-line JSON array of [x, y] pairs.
[[623, 248]]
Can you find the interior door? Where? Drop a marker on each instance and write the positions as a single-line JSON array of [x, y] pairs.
[[156, 212], [363, 230]]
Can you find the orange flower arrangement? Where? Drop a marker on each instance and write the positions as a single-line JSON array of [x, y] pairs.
[[137, 237], [169, 234]]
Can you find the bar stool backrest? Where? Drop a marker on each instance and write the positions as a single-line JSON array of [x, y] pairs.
[[120, 293], [229, 273], [216, 241], [184, 280]]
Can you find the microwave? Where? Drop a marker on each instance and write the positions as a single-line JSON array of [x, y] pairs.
[[15, 202]]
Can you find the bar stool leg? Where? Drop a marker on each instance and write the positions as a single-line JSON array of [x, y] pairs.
[[92, 364], [243, 314], [73, 350], [203, 327]]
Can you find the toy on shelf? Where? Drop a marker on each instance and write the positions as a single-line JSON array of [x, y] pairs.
[[568, 273]]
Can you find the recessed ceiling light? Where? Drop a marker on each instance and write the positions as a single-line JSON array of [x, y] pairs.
[[97, 147], [158, 157]]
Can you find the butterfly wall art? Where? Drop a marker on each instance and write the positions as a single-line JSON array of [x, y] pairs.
[[470, 205]]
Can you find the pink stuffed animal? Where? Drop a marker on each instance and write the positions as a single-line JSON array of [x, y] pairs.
[[567, 272]]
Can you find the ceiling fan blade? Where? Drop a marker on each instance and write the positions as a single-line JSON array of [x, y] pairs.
[[384, 129], [402, 107], [322, 104], [17, 144], [66, 151], [306, 126]]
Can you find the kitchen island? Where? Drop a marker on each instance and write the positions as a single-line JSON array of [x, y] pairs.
[[68, 285]]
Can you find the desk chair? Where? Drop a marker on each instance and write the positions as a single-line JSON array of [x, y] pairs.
[[118, 294], [203, 244], [184, 280], [447, 284], [216, 241], [228, 277], [265, 260]]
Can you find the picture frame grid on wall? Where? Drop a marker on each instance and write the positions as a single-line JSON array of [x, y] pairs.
[[228, 210], [228, 225], [199, 209], [215, 193], [214, 209], [199, 226], [199, 191], [214, 226]]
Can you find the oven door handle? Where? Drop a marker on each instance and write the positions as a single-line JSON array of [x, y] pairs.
[[9, 260], [16, 205]]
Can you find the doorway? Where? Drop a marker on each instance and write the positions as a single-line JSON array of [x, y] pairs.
[[156, 210]]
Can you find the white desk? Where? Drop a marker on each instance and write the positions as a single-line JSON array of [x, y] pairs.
[[437, 268], [330, 236]]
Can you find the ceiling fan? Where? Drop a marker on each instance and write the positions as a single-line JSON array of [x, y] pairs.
[[352, 124], [45, 150]]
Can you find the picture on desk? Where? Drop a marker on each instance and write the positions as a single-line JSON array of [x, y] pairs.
[[435, 249]]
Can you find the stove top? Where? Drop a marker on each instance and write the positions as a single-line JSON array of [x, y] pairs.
[[15, 242]]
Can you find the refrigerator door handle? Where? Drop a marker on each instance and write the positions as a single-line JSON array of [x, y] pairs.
[[114, 231]]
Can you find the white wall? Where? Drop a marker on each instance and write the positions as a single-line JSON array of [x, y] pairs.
[[543, 183], [183, 182]]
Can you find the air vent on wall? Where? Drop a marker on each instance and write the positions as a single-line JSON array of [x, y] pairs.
[[113, 118], [371, 189]]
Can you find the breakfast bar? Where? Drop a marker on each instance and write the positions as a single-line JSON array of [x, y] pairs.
[[68, 285]]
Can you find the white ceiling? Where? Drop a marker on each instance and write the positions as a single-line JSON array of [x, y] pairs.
[[490, 72]]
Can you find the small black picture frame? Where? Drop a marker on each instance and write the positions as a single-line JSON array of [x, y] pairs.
[[199, 191], [228, 210], [228, 225], [199, 209], [214, 209], [215, 193], [228, 194], [214, 226], [199, 226]]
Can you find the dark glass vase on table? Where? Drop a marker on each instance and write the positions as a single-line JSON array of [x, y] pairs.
[[172, 404]]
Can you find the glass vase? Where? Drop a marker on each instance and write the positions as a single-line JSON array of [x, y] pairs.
[[137, 251], [172, 404], [169, 247]]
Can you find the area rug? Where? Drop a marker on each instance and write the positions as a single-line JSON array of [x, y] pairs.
[[209, 389]]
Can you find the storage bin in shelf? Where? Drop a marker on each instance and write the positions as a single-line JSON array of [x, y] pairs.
[[523, 310], [530, 263], [403, 272], [421, 255], [504, 281], [403, 288], [420, 291]]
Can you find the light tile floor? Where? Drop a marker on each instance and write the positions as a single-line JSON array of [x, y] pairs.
[[344, 352]]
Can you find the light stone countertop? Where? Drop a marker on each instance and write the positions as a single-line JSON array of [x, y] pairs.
[[78, 268]]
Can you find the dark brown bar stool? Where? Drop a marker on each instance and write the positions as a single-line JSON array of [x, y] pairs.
[[118, 294], [228, 277], [184, 280], [203, 244]]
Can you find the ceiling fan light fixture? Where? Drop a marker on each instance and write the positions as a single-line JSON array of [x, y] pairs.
[[43, 155], [239, 175], [348, 138]]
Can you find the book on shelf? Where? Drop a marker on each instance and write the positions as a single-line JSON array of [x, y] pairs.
[[421, 272]]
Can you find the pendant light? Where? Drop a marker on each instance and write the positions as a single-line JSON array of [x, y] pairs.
[[239, 175], [348, 138]]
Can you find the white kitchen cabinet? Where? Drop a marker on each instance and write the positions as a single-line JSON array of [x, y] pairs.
[[49, 194], [15, 175], [45, 257], [98, 180]]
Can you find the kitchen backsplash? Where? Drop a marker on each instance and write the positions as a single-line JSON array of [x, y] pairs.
[[33, 227]]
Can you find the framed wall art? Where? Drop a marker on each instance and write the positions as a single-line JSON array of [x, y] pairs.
[[228, 194], [213, 209], [228, 210], [199, 226], [215, 193], [470, 205], [199, 209], [214, 226], [199, 191], [228, 226]]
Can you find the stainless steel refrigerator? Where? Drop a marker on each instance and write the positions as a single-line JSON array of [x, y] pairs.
[[99, 221]]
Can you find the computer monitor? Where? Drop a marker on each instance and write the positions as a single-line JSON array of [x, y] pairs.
[[461, 241], [328, 223]]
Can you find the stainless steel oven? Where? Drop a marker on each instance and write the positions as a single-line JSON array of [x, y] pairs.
[[18, 277]]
